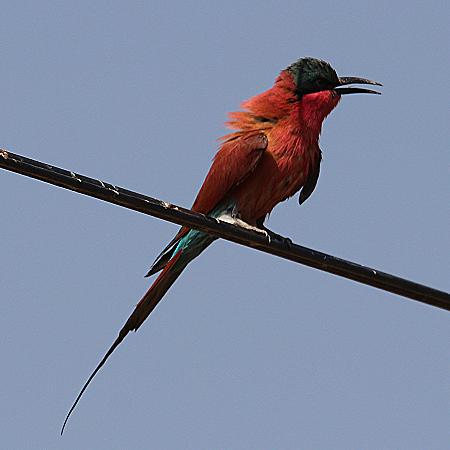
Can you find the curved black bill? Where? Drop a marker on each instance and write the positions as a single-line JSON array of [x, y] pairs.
[[355, 90]]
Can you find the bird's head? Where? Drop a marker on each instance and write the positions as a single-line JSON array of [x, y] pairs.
[[313, 75], [318, 88], [309, 89]]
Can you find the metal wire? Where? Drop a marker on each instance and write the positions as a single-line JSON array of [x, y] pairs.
[[172, 213]]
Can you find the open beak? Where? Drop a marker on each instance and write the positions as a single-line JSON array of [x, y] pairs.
[[355, 90]]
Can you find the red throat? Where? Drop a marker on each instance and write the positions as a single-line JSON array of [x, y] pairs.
[[315, 107]]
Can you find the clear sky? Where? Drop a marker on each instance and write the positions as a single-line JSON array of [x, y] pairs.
[[247, 351]]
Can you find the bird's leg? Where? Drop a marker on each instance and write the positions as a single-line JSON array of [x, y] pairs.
[[274, 236], [240, 223], [231, 217]]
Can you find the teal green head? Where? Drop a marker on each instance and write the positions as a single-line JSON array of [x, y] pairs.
[[315, 75]]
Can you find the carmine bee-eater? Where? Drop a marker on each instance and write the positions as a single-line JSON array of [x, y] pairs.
[[272, 154]]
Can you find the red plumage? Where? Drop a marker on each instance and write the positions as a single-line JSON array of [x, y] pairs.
[[291, 128], [272, 153], [270, 156]]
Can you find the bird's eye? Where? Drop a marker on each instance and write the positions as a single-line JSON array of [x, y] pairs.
[[321, 82]]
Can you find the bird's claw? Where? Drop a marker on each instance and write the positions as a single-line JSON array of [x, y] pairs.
[[287, 242], [272, 236], [262, 232], [267, 236]]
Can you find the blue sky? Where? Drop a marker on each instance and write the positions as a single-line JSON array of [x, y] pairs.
[[247, 351]]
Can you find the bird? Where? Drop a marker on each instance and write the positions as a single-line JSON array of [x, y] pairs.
[[271, 154]]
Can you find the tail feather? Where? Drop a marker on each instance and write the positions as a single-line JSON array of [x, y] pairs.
[[156, 292], [164, 257], [159, 263], [143, 309]]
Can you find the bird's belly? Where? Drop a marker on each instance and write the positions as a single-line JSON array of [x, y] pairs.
[[272, 182]]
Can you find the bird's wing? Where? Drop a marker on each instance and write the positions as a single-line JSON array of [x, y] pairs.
[[311, 181], [236, 159]]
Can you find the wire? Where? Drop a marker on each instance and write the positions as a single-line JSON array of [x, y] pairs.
[[283, 248]]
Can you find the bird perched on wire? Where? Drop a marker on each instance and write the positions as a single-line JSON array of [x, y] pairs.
[[272, 154]]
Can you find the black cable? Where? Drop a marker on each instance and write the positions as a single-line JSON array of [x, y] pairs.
[[172, 213]]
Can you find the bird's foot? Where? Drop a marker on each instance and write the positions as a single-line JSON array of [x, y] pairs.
[[277, 237], [268, 234], [240, 223]]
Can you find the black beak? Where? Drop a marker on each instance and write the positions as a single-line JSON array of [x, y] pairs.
[[355, 90]]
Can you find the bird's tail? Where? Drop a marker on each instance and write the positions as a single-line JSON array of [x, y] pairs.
[[183, 255]]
